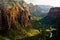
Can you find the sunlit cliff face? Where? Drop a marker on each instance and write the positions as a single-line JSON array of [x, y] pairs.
[[14, 15]]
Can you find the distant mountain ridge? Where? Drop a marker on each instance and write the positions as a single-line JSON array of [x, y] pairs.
[[39, 10]]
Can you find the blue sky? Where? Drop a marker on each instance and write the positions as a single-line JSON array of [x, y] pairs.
[[55, 3]]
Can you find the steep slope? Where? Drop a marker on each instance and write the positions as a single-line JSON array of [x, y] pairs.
[[14, 13]]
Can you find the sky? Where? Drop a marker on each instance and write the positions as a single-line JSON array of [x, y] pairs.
[[55, 3]]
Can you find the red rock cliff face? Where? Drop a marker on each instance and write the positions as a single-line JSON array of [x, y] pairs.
[[54, 12]]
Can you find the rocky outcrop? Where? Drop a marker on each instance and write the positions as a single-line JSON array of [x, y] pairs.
[[54, 12], [13, 14]]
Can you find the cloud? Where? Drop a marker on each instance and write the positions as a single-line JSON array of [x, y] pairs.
[[55, 3]]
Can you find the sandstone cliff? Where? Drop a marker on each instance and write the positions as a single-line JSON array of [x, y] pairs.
[[13, 14], [54, 12]]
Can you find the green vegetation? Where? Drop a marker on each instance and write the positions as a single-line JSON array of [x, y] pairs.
[[35, 32], [15, 24]]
